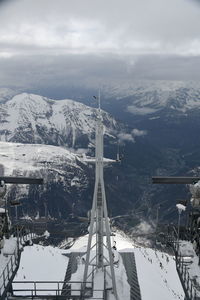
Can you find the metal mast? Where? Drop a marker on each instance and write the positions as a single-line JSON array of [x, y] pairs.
[[99, 223]]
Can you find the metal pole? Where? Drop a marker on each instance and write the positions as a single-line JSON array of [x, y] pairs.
[[178, 235], [99, 214], [157, 216], [16, 214]]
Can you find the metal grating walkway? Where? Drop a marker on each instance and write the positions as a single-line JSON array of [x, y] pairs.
[[131, 271], [71, 268]]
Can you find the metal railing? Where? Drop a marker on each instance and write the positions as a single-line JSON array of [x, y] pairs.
[[23, 233], [22, 236], [59, 289], [187, 283], [184, 275], [8, 272]]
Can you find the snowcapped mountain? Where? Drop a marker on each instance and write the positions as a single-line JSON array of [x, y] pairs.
[[29, 118], [33, 120]]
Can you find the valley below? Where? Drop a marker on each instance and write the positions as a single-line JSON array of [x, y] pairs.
[[152, 128]]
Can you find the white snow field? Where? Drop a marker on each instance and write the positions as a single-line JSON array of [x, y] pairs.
[[157, 274], [42, 263]]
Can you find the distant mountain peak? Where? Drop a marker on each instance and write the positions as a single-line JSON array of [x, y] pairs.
[[148, 97], [30, 118]]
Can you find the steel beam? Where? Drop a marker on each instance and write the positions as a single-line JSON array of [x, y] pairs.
[[21, 180], [175, 180]]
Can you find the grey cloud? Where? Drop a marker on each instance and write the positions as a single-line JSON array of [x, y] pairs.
[[140, 110], [136, 132], [120, 27], [125, 137], [130, 137], [47, 72]]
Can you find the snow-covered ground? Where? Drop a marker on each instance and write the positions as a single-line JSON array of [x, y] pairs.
[[157, 275]]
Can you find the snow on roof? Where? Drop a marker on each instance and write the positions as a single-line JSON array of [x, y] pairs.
[[2, 210], [122, 242], [42, 263]]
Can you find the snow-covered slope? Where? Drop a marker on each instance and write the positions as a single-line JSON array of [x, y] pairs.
[[27, 158], [157, 274], [62, 171], [30, 118]]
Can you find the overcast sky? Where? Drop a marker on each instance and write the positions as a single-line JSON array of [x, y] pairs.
[[77, 41]]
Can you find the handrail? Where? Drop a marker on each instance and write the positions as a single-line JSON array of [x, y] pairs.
[[56, 288], [9, 269], [187, 284], [10, 260], [185, 276], [22, 232], [12, 264]]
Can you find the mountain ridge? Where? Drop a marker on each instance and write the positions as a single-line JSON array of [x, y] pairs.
[[30, 118]]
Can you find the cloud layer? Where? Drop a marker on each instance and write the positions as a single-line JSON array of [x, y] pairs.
[[119, 27], [64, 43]]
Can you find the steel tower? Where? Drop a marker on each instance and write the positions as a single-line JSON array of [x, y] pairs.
[[99, 222]]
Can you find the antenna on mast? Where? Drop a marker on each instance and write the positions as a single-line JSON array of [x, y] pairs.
[[99, 100], [118, 157], [119, 153], [99, 230]]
